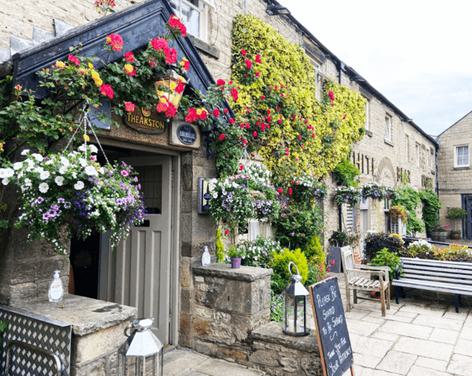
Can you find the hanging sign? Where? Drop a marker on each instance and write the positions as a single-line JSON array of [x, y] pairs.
[[145, 121], [332, 333]]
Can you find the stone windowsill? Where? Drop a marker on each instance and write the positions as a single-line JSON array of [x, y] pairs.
[[368, 133], [244, 273], [85, 315], [461, 168], [205, 47], [390, 143], [272, 333]]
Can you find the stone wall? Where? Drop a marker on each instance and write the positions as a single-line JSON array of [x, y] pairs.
[[453, 181]]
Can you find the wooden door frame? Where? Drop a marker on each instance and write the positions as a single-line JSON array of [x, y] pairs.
[[174, 293]]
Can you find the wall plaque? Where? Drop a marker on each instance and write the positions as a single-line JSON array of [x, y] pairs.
[[145, 121], [184, 135]]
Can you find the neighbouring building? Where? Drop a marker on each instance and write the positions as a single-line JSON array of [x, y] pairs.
[[455, 174], [169, 287]]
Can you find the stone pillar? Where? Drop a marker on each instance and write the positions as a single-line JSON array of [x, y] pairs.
[[228, 305]]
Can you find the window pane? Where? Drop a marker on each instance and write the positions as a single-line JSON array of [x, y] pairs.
[[462, 153], [191, 17]]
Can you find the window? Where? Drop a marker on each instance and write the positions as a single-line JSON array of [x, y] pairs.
[[319, 78], [193, 15], [388, 128], [431, 159], [367, 114], [417, 154], [461, 158], [407, 146]]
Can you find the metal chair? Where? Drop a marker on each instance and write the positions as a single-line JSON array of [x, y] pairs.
[[365, 278]]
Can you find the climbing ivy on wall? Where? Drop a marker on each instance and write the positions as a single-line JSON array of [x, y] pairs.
[[309, 137]]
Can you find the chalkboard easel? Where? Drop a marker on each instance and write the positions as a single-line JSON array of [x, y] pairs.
[[331, 329]]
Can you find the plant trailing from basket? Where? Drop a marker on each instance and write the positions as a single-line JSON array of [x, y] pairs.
[[347, 195], [72, 191], [374, 191], [398, 211]]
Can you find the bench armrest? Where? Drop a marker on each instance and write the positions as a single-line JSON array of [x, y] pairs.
[[381, 274], [383, 269]]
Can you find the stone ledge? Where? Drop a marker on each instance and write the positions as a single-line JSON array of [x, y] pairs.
[[85, 315], [272, 333], [245, 273]]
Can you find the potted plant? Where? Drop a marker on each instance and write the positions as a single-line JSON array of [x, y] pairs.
[[455, 214], [439, 233], [235, 253]]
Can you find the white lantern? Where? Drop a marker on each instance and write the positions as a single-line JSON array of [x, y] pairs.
[[295, 305], [145, 351]]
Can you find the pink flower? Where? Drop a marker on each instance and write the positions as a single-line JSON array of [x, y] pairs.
[[159, 44], [115, 42], [176, 25], [170, 55], [73, 59], [331, 96], [234, 93], [258, 59], [221, 137], [180, 87], [129, 57], [231, 121], [220, 82], [280, 190], [216, 112], [248, 63], [243, 52], [171, 111], [130, 106], [124, 173], [107, 91]]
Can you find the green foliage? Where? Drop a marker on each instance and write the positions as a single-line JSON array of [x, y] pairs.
[[277, 307], [234, 251], [376, 242], [3, 326], [456, 213], [314, 251], [281, 274], [219, 245], [297, 224], [341, 239], [423, 250], [384, 257], [310, 137], [409, 198], [346, 173], [431, 206], [347, 195]]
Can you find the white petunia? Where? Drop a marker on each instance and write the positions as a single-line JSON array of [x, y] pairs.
[[27, 182], [17, 165], [91, 171], [79, 185], [93, 149], [59, 180], [25, 152], [38, 157], [5, 181], [82, 147], [44, 175], [6, 173], [43, 187], [65, 161], [62, 170], [82, 162]]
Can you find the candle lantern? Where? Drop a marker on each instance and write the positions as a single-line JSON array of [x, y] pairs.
[[166, 87], [145, 352], [295, 305]]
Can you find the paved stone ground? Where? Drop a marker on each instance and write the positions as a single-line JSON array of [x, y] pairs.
[[179, 362], [414, 339]]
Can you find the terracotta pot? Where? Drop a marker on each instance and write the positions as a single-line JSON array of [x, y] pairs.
[[235, 262], [455, 234], [440, 236]]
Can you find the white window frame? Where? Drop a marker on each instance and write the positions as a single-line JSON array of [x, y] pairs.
[[367, 114], [457, 165], [407, 144], [388, 134], [202, 8]]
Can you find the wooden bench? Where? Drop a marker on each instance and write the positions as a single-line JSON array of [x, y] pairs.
[[433, 275]]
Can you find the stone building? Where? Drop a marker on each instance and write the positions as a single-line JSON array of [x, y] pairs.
[[454, 173], [184, 301]]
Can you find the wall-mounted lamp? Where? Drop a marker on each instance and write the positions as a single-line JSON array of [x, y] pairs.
[[277, 10]]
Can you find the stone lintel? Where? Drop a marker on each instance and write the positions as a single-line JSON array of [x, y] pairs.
[[272, 333], [85, 315], [244, 273]]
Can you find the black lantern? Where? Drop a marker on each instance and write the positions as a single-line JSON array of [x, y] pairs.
[[295, 305]]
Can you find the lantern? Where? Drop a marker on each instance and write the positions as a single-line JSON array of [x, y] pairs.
[[170, 83], [145, 351], [295, 305]]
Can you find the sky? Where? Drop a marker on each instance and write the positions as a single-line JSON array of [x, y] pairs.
[[417, 53]]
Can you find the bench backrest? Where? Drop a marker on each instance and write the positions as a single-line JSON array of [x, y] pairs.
[[347, 258], [437, 271]]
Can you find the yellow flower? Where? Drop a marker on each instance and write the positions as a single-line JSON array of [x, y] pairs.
[[60, 64], [128, 68], [1, 146], [173, 85], [86, 137], [199, 111], [90, 65], [163, 99], [96, 78], [83, 71]]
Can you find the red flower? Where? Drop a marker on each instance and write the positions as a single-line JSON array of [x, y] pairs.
[[176, 25], [221, 137], [129, 106], [226, 232], [258, 74], [202, 114], [162, 105], [159, 44], [171, 111], [299, 137], [185, 64], [129, 57], [263, 97], [191, 115], [255, 134], [248, 63], [331, 96], [216, 112], [180, 87], [279, 121], [280, 191], [115, 42], [258, 59], [287, 151], [234, 93], [225, 110], [73, 59], [241, 167], [244, 141], [290, 191], [170, 55], [243, 52], [107, 91], [231, 121], [129, 69], [220, 82]]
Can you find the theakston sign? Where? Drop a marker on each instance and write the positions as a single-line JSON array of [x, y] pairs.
[[145, 121]]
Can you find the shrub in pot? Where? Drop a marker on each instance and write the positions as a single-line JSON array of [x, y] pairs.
[[376, 242], [439, 233], [456, 215], [235, 254]]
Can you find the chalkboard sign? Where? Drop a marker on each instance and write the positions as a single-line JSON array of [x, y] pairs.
[[333, 336]]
